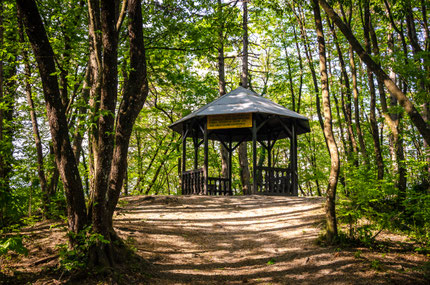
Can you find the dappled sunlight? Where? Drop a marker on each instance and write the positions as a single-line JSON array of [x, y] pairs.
[[248, 239]]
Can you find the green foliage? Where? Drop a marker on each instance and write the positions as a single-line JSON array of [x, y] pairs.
[[416, 217], [181, 43], [76, 258], [13, 243], [376, 265], [366, 205]]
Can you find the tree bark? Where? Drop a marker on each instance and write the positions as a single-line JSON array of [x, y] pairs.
[[346, 106], [36, 135], [134, 97], [105, 141], [393, 119], [370, 80], [243, 152], [334, 155], [221, 82], [357, 106], [303, 35], [65, 159]]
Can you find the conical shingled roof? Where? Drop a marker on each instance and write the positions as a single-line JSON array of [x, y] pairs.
[[242, 100]]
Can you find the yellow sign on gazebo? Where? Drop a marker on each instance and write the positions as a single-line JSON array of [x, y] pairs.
[[229, 121]]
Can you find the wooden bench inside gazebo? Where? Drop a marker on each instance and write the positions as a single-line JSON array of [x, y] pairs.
[[238, 116]]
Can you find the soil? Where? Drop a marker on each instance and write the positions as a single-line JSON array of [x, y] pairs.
[[224, 240]]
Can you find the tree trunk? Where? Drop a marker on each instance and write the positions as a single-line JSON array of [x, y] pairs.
[[334, 155], [303, 35], [409, 107], [110, 145], [36, 135], [357, 106], [346, 107], [372, 115], [162, 163], [243, 152], [299, 56], [105, 137], [134, 97], [4, 186], [393, 119], [65, 159], [221, 82]]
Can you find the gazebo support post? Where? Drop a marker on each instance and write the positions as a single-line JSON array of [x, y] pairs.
[[230, 150], [196, 153], [184, 157], [269, 154], [196, 149], [254, 155], [293, 155], [205, 168]]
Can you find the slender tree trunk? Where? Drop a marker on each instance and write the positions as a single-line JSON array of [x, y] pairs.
[[300, 18], [162, 163], [290, 79], [372, 115], [65, 159], [140, 160], [299, 56], [36, 135], [148, 168], [346, 106], [134, 97], [221, 82], [77, 136], [334, 155], [392, 119], [243, 150], [357, 106], [409, 107]]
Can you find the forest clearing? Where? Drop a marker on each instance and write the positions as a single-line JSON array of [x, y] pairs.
[[215, 141], [226, 240]]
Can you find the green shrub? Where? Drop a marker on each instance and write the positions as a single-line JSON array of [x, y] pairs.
[[13, 243], [77, 258]]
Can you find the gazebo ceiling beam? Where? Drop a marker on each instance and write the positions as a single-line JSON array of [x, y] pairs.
[[223, 143], [241, 141], [263, 144], [184, 136], [202, 129], [287, 130], [263, 123], [271, 145]]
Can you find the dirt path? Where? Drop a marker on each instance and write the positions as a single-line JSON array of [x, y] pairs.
[[222, 240], [254, 240]]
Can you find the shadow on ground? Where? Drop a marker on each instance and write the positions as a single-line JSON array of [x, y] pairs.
[[254, 240], [220, 240]]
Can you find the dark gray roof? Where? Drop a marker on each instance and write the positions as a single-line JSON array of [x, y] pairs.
[[242, 100]]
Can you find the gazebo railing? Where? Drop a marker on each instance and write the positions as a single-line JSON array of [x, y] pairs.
[[193, 182], [274, 180], [219, 186]]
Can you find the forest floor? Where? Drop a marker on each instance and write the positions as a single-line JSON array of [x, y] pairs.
[[225, 240]]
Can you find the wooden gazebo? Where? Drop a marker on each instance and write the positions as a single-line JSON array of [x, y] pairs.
[[238, 116]]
